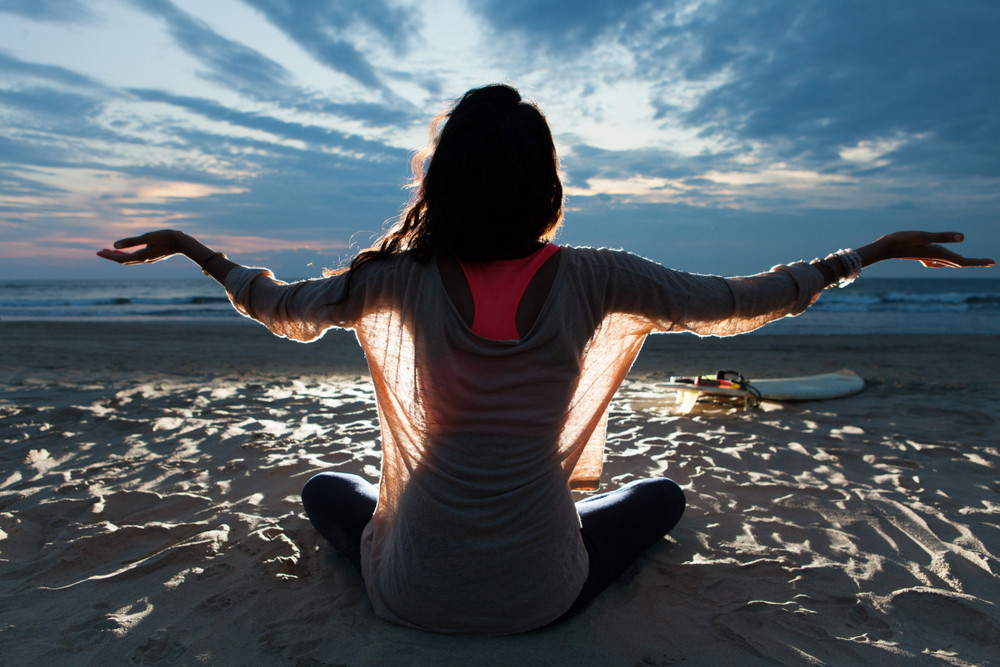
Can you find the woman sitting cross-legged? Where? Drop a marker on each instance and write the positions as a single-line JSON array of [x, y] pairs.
[[494, 354]]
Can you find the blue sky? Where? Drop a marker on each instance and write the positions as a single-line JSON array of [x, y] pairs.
[[714, 136]]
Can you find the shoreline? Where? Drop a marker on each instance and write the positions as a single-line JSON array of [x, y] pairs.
[[203, 351], [28, 341]]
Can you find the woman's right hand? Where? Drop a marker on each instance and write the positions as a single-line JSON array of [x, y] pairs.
[[159, 245], [922, 247]]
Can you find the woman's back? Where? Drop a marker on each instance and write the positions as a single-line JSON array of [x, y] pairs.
[[474, 506]]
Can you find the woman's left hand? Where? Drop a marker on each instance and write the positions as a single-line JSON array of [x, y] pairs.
[[159, 245], [923, 247]]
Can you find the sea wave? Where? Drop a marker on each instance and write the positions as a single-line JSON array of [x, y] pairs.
[[111, 301], [907, 302], [872, 304]]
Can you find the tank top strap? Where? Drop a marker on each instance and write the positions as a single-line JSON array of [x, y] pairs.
[[497, 288]]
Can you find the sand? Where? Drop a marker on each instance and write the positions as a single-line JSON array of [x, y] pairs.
[[149, 506]]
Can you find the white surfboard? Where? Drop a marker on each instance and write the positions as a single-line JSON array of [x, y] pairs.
[[802, 388], [811, 387]]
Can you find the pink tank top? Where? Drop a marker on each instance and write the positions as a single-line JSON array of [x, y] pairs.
[[497, 288]]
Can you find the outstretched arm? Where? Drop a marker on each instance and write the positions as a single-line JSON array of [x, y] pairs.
[[301, 310], [711, 305], [166, 243]]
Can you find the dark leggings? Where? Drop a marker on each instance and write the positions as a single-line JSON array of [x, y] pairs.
[[617, 527]]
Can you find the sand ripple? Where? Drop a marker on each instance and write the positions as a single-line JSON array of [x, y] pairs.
[[154, 518]]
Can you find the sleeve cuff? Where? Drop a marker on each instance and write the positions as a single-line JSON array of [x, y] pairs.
[[808, 280], [238, 286]]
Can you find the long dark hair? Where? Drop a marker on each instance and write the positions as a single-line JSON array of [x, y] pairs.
[[486, 187]]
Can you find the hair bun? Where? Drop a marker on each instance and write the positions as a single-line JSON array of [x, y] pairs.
[[498, 93]]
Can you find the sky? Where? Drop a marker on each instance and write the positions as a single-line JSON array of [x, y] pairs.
[[715, 136]]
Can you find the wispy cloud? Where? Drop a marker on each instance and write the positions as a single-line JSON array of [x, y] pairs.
[[314, 137], [253, 75], [68, 11], [328, 31], [227, 63], [18, 69], [562, 26]]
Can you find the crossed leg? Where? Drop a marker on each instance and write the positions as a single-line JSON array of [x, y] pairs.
[[617, 527], [340, 505]]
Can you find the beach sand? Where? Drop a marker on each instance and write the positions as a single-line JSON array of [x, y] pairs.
[[149, 506]]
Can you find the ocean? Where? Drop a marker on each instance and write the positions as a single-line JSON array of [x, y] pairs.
[[871, 305]]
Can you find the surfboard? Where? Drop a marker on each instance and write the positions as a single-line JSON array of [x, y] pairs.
[[817, 387], [811, 387]]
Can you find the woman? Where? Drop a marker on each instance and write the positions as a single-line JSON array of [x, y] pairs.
[[494, 355]]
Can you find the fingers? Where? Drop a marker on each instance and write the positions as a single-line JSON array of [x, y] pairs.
[[924, 247], [961, 263], [122, 257], [151, 251], [952, 259], [946, 237], [910, 239], [130, 242], [934, 256]]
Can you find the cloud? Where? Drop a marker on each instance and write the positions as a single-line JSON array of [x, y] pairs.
[[93, 193], [17, 69], [371, 114], [585, 162], [561, 24], [812, 78], [228, 63], [325, 30], [253, 75], [39, 106], [15, 184], [248, 244], [872, 153], [786, 81], [59, 11], [776, 187], [314, 137], [47, 126], [46, 110], [76, 159]]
